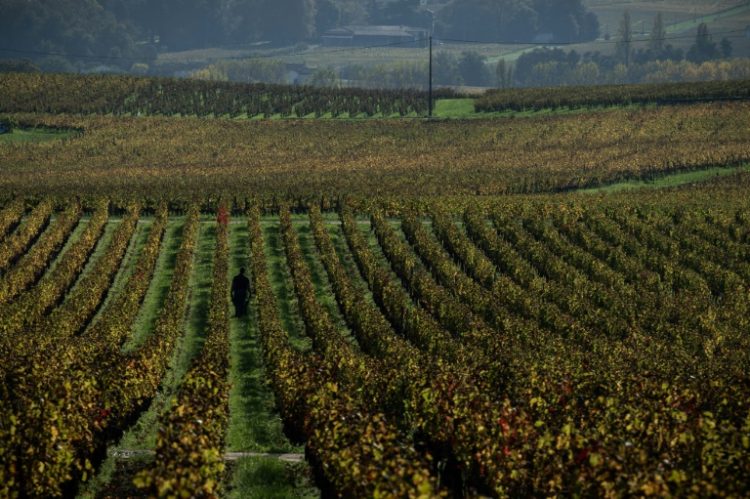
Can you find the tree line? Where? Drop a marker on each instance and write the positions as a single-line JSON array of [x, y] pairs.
[[69, 35], [657, 61]]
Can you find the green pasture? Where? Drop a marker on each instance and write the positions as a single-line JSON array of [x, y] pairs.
[[708, 19], [34, 135], [670, 180]]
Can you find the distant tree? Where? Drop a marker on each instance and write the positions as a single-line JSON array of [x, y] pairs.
[[352, 11], [285, 22], [590, 29], [81, 30], [325, 77], [658, 33], [400, 12], [243, 20], [586, 73], [726, 48], [18, 66], [503, 74], [566, 20], [625, 39], [327, 16], [673, 54], [446, 70], [704, 48], [550, 59], [490, 20], [473, 70], [188, 24]]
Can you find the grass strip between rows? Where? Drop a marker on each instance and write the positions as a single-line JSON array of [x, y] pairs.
[[82, 303], [65, 407], [17, 243], [190, 444], [32, 265], [356, 451], [30, 306]]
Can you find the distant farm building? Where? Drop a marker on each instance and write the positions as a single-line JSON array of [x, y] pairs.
[[360, 36]]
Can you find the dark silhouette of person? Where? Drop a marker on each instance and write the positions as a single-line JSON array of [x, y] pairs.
[[240, 293]]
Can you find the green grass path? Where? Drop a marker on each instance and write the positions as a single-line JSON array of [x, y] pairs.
[[116, 475], [135, 248], [281, 282], [254, 424], [101, 247], [322, 285], [72, 238], [34, 135], [159, 285], [669, 180]]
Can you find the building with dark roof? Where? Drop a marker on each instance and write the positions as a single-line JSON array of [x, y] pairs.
[[361, 36]]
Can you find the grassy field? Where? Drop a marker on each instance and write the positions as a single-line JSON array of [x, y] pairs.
[[35, 135], [670, 180]]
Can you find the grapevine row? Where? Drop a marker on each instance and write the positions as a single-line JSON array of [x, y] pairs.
[[29, 307], [120, 312], [10, 216], [502, 287], [109, 94], [59, 392], [364, 457], [85, 299], [413, 322], [452, 314], [451, 277], [12, 248], [449, 406], [198, 418], [32, 265], [612, 95]]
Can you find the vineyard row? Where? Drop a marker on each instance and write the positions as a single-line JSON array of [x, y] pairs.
[[570, 349]]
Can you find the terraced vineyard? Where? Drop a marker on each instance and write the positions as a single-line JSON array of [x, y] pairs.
[[527, 346]]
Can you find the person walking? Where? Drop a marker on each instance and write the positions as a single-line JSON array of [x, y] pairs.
[[240, 293]]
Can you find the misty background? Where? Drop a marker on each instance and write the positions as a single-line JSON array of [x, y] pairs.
[[382, 43]]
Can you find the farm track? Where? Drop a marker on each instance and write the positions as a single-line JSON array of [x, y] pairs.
[[547, 338]]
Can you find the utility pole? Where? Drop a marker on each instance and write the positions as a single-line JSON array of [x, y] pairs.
[[430, 86]]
